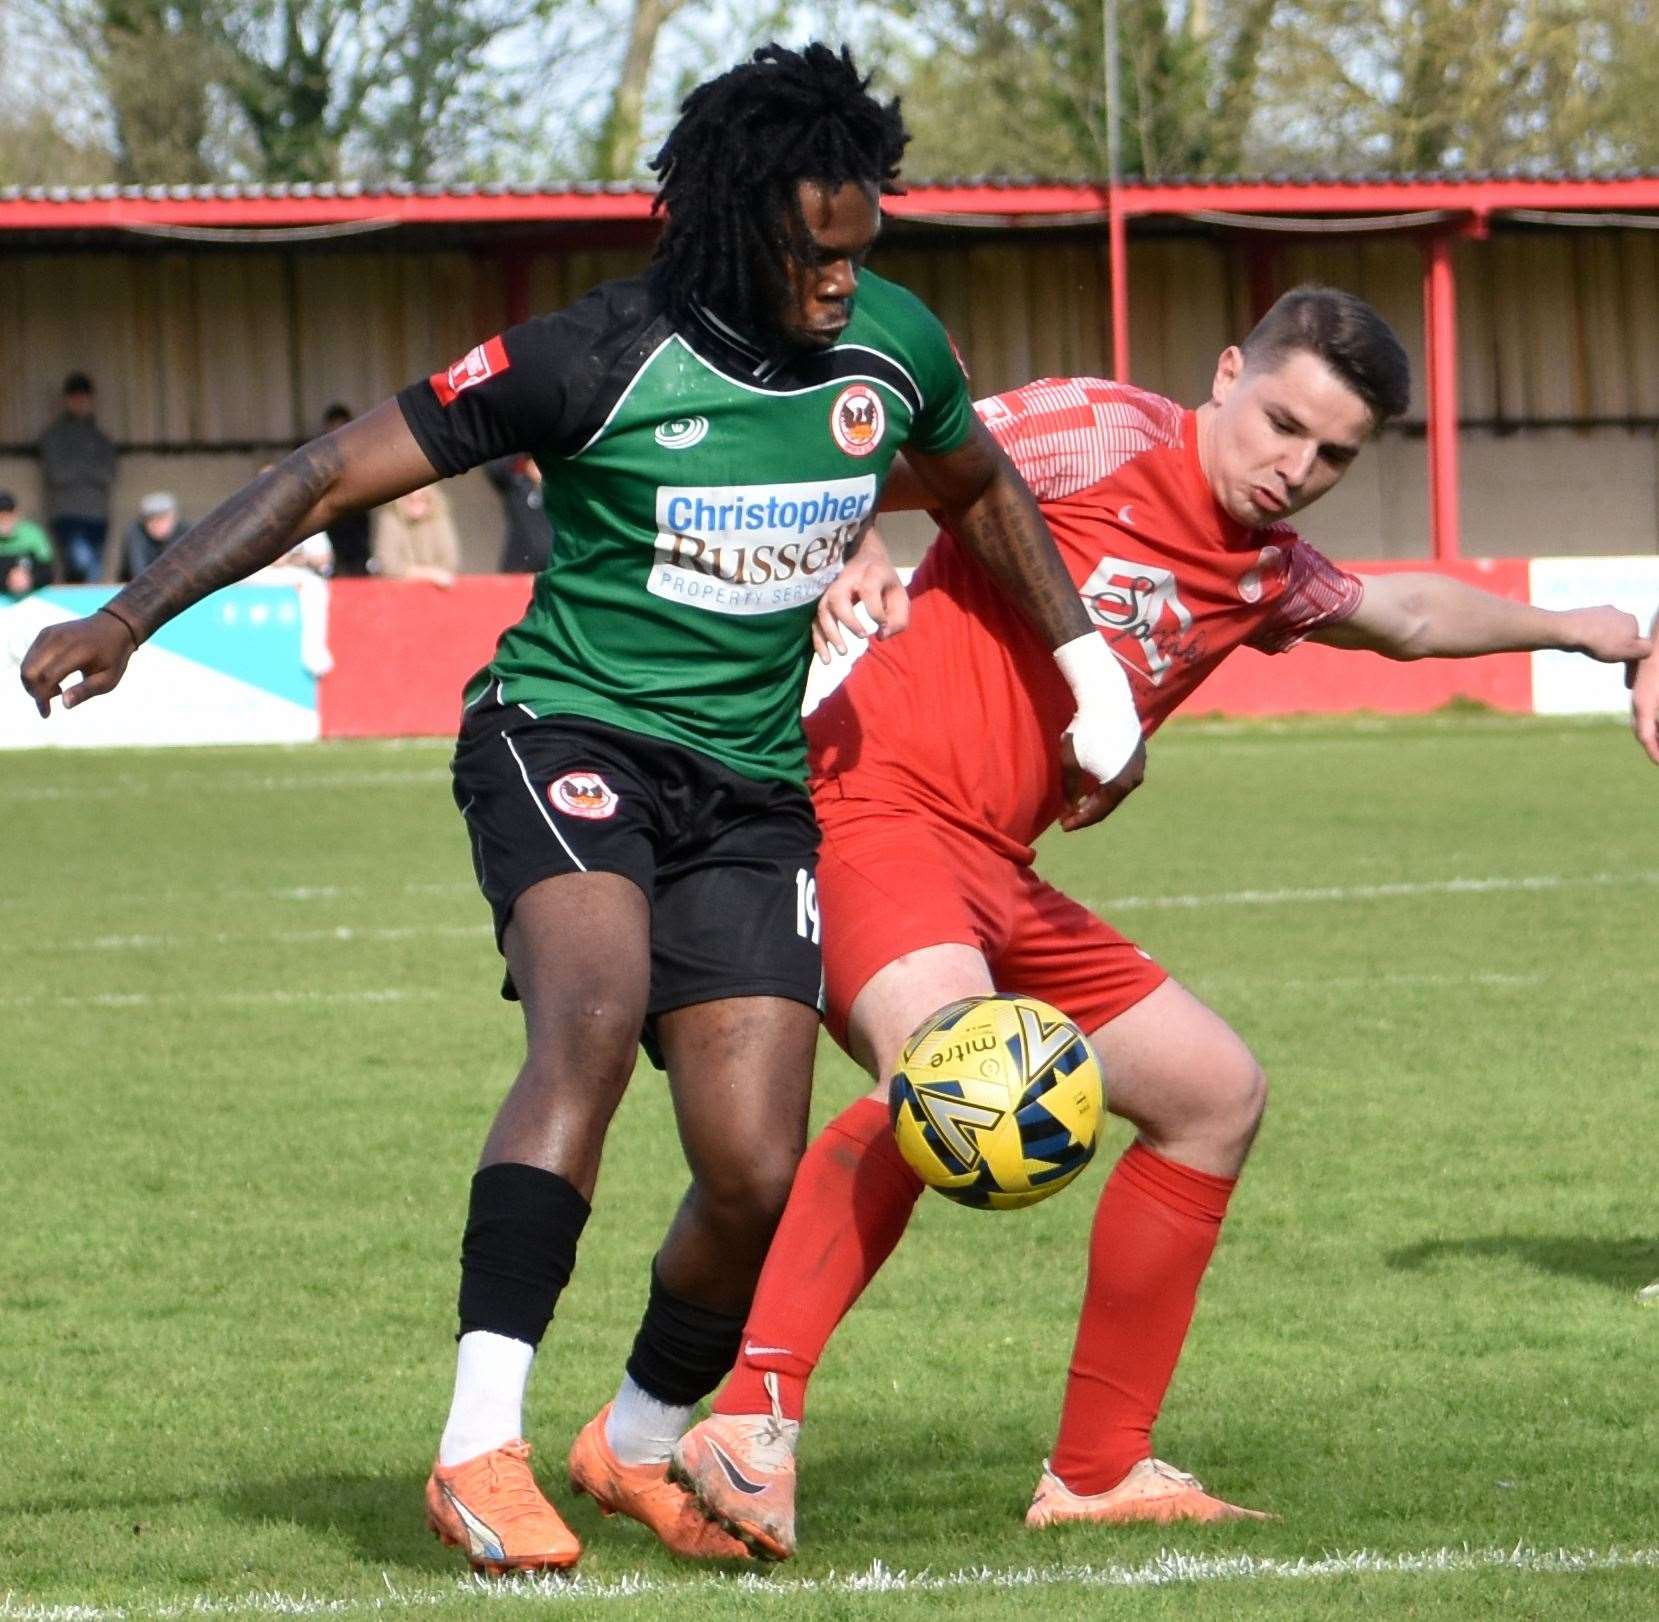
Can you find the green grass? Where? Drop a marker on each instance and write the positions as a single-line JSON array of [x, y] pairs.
[[251, 1041]]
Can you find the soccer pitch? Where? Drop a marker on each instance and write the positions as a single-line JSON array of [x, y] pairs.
[[252, 1041]]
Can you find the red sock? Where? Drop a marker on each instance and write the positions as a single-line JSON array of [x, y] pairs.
[[852, 1198], [1154, 1229]]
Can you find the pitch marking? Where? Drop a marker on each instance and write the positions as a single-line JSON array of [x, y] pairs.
[[1164, 1569]]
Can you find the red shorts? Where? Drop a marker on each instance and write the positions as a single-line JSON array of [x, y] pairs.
[[892, 879]]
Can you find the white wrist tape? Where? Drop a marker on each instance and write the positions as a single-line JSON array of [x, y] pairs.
[[1106, 730]]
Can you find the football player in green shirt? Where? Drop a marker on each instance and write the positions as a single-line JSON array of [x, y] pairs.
[[713, 438]]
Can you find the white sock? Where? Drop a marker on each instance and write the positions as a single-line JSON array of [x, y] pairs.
[[491, 1372], [641, 1430]]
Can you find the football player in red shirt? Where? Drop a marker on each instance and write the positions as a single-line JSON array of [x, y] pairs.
[[936, 766]]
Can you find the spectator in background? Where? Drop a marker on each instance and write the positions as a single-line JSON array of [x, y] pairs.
[[529, 534], [25, 552], [77, 462], [348, 535], [156, 527], [414, 538]]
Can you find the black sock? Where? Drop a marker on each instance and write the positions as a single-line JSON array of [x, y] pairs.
[[519, 1248], [682, 1351]]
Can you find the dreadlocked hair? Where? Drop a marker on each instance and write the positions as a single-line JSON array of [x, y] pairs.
[[730, 169]]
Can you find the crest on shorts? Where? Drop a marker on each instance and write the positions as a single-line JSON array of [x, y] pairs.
[[857, 419], [582, 794]]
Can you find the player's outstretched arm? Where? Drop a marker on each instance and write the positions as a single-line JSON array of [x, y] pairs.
[[367, 462], [1643, 677], [987, 504], [1430, 616]]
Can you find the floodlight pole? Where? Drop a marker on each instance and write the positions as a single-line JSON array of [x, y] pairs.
[[1117, 234]]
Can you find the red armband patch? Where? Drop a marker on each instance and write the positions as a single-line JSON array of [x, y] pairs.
[[477, 366]]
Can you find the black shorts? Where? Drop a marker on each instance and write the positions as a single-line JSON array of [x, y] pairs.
[[728, 864]]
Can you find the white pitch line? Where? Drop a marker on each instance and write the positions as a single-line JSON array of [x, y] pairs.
[[1489, 980], [1299, 894], [1422, 728], [265, 996], [283, 892], [128, 787], [1526, 883], [1164, 1569], [164, 941]]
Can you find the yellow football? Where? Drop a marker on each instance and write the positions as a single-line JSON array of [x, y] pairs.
[[997, 1101]]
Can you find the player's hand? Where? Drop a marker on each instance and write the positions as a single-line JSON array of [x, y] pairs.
[[98, 646], [1608, 634], [1643, 681], [868, 582], [1089, 801]]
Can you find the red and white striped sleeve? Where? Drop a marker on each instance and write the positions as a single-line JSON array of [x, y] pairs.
[[1066, 433], [1316, 593]]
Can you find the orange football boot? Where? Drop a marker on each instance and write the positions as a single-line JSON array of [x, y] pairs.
[[741, 1470], [491, 1508], [1152, 1491], [645, 1494]]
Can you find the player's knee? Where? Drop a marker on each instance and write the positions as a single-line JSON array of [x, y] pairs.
[[1241, 1096], [749, 1194], [594, 1037]]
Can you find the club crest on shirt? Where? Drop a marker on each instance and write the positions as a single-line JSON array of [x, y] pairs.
[[857, 419], [582, 794], [1139, 603], [1250, 582]]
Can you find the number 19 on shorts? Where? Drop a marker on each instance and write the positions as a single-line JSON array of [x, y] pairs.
[[806, 905]]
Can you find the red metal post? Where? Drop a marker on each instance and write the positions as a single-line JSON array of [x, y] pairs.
[[1117, 235], [1440, 350]]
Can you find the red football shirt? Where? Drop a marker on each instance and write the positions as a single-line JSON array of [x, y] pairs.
[[963, 712]]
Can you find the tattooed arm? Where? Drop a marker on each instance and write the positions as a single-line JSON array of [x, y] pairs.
[[367, 462], [988, 506]]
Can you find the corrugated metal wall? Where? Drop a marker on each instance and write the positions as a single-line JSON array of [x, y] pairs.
[[194, 351]]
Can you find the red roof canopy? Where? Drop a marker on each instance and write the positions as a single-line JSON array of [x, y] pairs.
[[1011, 202]]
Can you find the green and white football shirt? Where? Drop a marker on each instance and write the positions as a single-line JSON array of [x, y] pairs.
[[701, 494]]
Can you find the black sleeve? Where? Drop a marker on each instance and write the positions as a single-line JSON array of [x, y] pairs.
[[527, 390]]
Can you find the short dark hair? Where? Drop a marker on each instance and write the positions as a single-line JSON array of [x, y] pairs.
[[78, 383], [730, 169], [337, 411], [8, 502], [1347, 334]]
